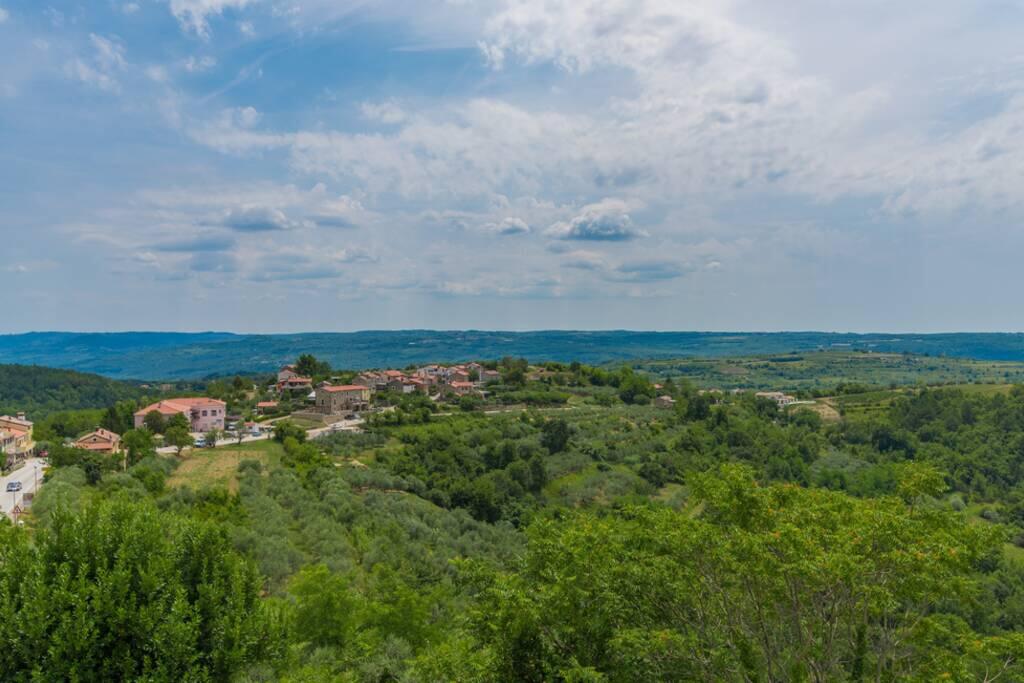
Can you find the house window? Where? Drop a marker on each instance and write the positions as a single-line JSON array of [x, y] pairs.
[[205, 413]]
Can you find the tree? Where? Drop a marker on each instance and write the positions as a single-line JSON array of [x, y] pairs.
[[326, 609], [136, 444], [178, 420], [286, 428], [178, 437], [212, 436], [119, 417], [752, 583], [309, 366], [154, 422], [634, 388], [121, 592], [555, 435]]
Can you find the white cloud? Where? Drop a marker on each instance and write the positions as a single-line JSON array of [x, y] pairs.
[[200, 64], [193, 15], [156, 73], [109, 55], [4, 14], [79, 70], [108, 59], [511, 225], [388, 112], [604, 221], [258, 219], [130, 7]]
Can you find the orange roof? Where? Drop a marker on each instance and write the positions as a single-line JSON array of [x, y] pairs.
[[345, 387], [462, 385], [107, 435], [266, 404]]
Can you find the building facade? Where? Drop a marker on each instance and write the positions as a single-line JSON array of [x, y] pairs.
[[343, 399], [100, 441], [203, 414]]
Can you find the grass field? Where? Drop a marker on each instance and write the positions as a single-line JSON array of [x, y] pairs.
[[219, 466]]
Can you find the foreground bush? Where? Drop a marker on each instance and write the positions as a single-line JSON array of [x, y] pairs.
[[120, 591]]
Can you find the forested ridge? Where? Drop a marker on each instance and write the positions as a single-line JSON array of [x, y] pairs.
[[591, 537], [40, 391]]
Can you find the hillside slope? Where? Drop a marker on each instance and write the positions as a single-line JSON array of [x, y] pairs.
[[40, 391]]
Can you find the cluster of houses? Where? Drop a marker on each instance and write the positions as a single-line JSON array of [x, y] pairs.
[[342, 399], [432, 379]]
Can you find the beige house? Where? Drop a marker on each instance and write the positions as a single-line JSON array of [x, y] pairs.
[[342, 399], [100, 441], [664, 402], [15, 435], [462, 388]]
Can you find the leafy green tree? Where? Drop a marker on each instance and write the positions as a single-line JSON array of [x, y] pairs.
[[178, 420], [123, 592], [136, 444], [777, 583], [154, 422], [309, 366], [634, 388], [178, 437], [120, 417], [284, 429], [327, 610], [211, 437], [555, 435]]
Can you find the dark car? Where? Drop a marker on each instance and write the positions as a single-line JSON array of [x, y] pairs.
[[13, 486]]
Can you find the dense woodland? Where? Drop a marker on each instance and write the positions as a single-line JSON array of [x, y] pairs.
[[583, 535]]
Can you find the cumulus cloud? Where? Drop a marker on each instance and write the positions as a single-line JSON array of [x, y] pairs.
[[605, 221], [512, 225], [258, 219], [4, 14]]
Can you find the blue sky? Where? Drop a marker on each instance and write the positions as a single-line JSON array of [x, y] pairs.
[[320, 165]]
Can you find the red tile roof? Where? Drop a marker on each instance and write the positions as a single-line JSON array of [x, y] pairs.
[[345, 387]]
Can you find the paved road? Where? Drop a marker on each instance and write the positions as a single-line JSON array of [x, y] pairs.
[[31, 477], [171, 450]]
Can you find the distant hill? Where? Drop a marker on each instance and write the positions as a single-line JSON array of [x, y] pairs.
[[156, 355], [40, 391]]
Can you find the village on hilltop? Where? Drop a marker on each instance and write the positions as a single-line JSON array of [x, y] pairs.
[[311, 396]]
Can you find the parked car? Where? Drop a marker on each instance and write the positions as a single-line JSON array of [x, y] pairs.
[[13, 486], [200, 442]]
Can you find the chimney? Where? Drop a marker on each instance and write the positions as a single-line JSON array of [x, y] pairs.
[[21, 416]]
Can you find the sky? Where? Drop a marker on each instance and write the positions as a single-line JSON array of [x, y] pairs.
[[337, 165]]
